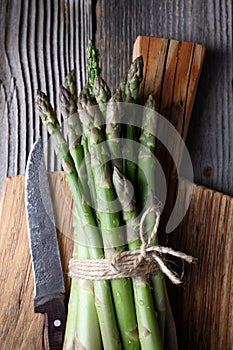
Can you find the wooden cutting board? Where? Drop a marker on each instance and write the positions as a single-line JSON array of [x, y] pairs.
[[20, 328], [171, 73]]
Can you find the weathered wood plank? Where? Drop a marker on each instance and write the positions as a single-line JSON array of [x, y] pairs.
[[40, 41], [20, 328], [203, 306], [209, 139]]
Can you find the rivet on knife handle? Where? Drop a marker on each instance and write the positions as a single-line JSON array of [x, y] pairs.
[[55, 310]]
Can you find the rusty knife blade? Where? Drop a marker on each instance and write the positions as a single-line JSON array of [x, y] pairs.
[[48, 276]]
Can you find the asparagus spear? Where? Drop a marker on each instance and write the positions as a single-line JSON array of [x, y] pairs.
[[113, 129], [98, 87], [101, 93], [74, 133], [103, 299], [84, 100], [145, 174], [110, 222], [129, 89], [93, 68], [146, 184], [70, 84], [130, 84], [84, 306], [148, 329], [101, 90], [82, 313], [82, 294]]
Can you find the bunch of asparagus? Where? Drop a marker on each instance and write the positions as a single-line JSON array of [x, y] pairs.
[[124, 313]]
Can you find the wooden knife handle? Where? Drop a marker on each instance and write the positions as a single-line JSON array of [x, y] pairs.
[[55, 310]]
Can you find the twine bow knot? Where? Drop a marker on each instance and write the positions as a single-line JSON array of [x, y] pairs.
[[149, 259], [146, 243]]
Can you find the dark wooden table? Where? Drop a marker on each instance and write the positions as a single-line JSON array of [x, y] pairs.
[[40, 41]]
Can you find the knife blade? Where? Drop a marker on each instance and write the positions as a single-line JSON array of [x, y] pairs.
[[49, 286]]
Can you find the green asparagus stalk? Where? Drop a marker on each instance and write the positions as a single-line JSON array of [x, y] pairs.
[[103, 299], [129, 89], [98, 88], [110, 222], [74, 134], [146, 183], [113, 129], [74, 129], [85, 100], [101, 90], [148, 328], [101, 93], [82, 312], [84, 306], [145, 174], [130, 84]]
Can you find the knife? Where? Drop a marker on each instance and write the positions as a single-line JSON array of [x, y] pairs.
[[49, 286]]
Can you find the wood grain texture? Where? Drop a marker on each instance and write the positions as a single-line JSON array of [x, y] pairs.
[[207, 22], [20, 328], [203, 305], [40, 41]]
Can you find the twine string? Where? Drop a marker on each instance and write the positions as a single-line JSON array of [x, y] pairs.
[[148, 259]]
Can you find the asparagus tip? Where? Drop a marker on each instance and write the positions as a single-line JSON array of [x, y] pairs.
[[65, 95], [116, 175], [46, 111], [70, 83], [100, 90], [151, 103], [124, 190], [93, 67]]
